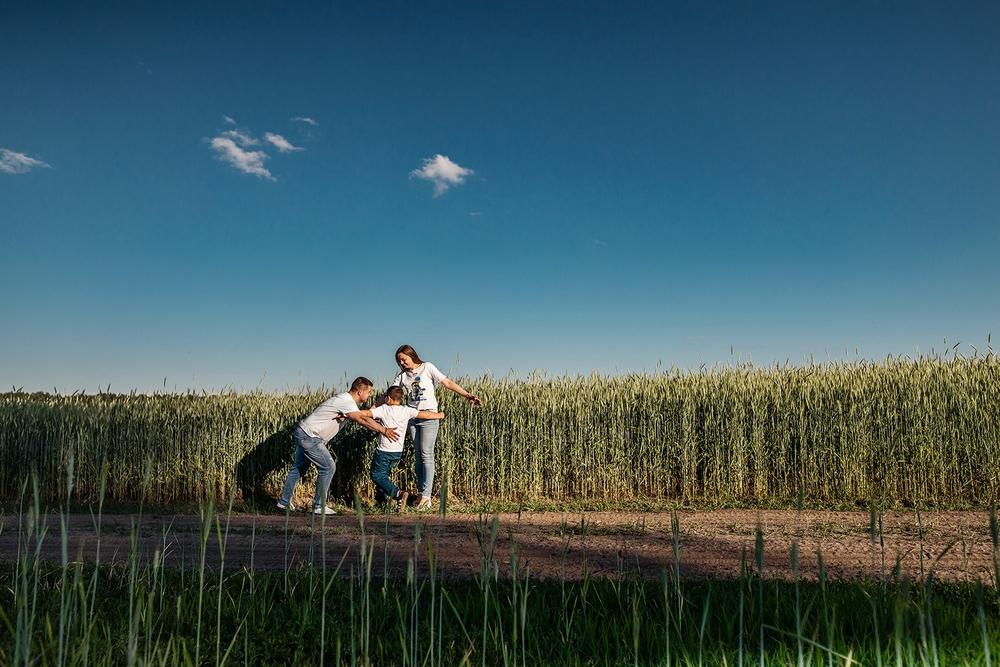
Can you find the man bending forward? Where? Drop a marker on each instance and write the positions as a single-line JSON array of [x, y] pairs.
[[313, 433]]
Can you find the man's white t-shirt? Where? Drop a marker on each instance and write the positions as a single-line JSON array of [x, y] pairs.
[[322, 422], [393, 416], [419, 384]]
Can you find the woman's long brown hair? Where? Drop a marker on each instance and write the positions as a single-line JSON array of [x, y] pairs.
[[410, 352]]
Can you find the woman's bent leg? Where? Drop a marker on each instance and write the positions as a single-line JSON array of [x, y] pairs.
[[424, 432]]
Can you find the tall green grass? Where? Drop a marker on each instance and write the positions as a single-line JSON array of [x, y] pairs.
[[924, 431], [342, 613], [595, 622]]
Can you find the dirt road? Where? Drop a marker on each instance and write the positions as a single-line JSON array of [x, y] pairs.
[[957, 545]]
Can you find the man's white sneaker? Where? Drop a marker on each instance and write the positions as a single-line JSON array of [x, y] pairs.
[[424, 504], [324, 510], [282, 506]]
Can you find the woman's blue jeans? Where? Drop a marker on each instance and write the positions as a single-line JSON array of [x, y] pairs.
[[424, 433], [309, 451]]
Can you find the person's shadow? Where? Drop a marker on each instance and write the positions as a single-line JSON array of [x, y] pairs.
[[270, 458]]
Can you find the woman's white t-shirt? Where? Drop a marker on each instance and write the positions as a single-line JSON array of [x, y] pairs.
[[419, 384]]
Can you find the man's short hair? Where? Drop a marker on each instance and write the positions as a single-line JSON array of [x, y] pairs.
[[396, 393], [361, 383]]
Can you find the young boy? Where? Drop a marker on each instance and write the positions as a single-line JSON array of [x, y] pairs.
[[393, 415]]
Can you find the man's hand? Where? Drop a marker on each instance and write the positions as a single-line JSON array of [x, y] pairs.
[[474, 400], [364, 418]]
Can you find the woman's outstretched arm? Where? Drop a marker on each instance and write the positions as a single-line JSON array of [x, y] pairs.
[[448, 383]]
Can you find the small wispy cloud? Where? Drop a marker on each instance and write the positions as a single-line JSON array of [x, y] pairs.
[[283, 145], [442, 172], [475, 214], [246, 161], [12, 162], [245, 152], [305, 119], [599, 242]]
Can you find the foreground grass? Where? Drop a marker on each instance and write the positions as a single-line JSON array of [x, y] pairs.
[[132, 615], [140, 612]]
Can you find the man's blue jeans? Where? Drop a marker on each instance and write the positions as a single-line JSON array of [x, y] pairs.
[[382, 465], [309, 451]]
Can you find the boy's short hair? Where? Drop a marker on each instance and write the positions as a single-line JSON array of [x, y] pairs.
[[396, 393], [361, 383]]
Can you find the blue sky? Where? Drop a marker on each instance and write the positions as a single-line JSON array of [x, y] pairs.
[[632, 184]]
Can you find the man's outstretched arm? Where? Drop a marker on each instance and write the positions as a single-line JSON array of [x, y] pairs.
[[364, 417]]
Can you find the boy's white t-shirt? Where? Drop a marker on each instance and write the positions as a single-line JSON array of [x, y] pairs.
[[393, 416], [419, 384], [322, 422]]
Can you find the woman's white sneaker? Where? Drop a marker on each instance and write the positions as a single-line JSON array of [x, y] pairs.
[[283, 506], [324, 510], [424, 504]]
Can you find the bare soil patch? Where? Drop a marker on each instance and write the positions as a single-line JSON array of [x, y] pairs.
[[956, 545]]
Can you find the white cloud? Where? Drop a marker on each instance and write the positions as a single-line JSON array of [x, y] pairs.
[[306, 120], [241, 138], [238, 147], [249, 162], [442, 172], [12, 162], [279, 142]]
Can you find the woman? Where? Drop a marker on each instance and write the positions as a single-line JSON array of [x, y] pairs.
[[419, 378]]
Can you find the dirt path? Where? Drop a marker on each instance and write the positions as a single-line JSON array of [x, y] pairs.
[[956, 544]]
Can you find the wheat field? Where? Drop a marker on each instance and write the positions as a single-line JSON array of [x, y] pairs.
[[924, 431]]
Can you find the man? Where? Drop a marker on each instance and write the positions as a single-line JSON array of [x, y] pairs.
[[313, 433]]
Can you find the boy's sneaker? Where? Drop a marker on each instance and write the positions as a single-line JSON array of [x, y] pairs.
[[401, 500], [424, 504], [325, 510], [286, 506]]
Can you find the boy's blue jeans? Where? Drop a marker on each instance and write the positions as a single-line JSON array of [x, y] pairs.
[[382, 465], [309, 451]]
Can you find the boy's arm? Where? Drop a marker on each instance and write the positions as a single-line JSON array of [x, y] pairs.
[[364, 417], [429, 414]]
